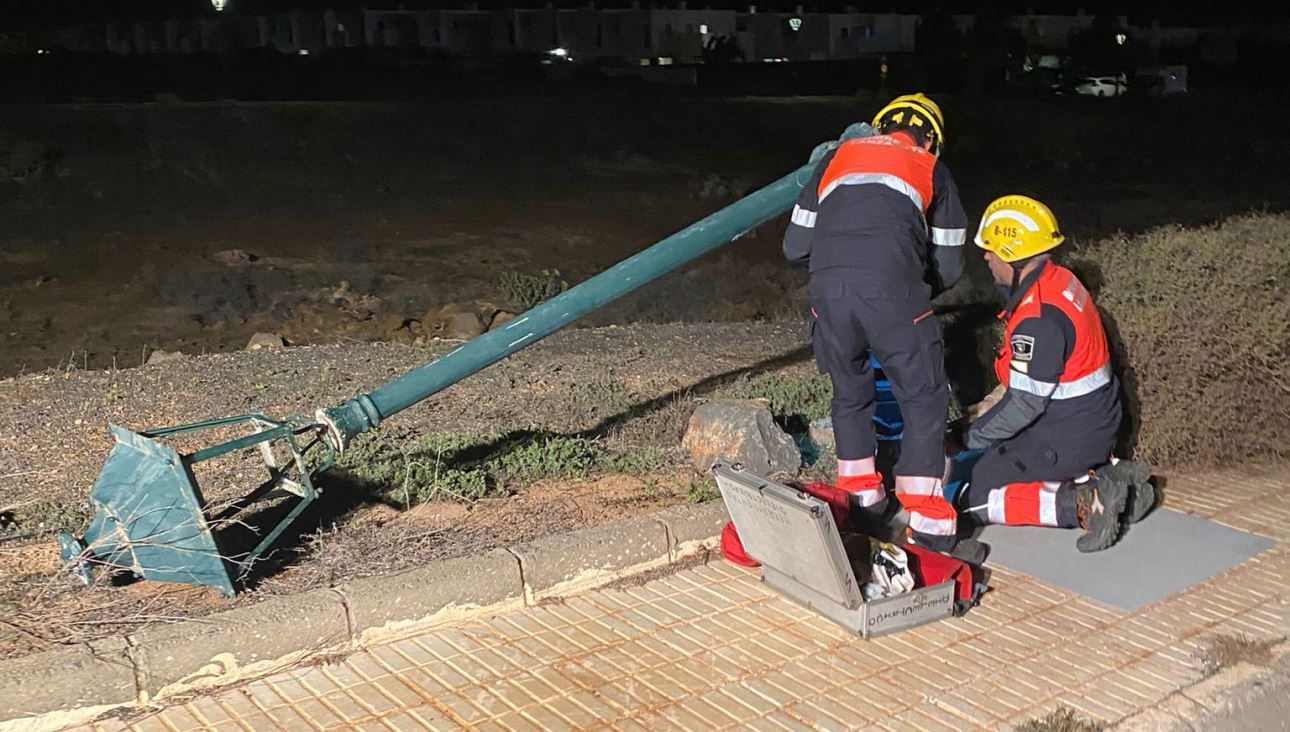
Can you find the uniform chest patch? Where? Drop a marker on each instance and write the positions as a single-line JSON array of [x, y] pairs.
[[1023, 347]]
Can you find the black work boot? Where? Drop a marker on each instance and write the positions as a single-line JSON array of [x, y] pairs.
[[869, 520], [1142, 495], [885, 521], [1100, 504]]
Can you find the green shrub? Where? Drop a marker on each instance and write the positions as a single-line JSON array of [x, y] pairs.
[[635, 461], [408, 470], [701, 490], [45, 517], [411, 470], [1198, 324], [426, 483], [548, 457], [387, 460], [797, 398], [597, 399], [523, 291]]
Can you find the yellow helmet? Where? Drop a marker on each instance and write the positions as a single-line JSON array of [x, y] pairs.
[[1018, 227], [914, 110]]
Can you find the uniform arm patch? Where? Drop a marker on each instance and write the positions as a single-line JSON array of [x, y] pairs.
[[1023, 347]]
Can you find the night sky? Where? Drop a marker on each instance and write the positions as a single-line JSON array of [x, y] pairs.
[[1188, 12]]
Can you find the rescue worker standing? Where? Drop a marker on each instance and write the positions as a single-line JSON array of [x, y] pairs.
[[1060, 408], [881, 229]]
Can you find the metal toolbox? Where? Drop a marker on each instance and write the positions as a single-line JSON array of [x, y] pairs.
[[802, 556]]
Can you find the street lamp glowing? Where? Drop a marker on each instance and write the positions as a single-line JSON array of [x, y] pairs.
[[219, 4], [795, 24], [1120, 38], [559, 52]]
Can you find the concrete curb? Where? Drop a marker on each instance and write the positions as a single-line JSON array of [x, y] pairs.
[[1212, 702], [692, 528], [566, 563], [78, 676], [235, 642], [40, 691], [387, 604]]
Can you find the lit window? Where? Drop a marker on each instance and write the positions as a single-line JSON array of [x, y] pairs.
[[703, 29], [665, 61]]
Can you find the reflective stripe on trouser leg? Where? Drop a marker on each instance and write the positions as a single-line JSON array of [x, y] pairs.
[[932, 520], [1025, 504], [849, 468], [860, 479], [913, 485]]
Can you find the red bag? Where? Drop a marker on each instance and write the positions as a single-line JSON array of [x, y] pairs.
[[929, 567]]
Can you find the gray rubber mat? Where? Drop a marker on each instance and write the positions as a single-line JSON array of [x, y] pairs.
[[1164, 554]]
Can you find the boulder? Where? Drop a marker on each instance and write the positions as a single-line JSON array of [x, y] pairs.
[[500, 318], [389, 326], [234, 257], [743, 432], [463, 326], [163, 356], [265, 340], [452, 321]]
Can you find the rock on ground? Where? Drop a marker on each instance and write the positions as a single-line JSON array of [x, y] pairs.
[[163, 356], [265, 340], [234, 257], [740, 431], [454, 322], [500, 318]]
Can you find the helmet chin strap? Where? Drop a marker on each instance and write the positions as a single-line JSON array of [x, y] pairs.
[[1019, 267]]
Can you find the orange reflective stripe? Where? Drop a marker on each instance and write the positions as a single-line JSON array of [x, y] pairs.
[[887, 160], [1088, 367]]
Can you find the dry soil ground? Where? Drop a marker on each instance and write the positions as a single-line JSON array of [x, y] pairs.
[[623, 391], [360, 217]]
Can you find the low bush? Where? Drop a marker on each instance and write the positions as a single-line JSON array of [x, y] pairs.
[[1199, 321], [409, 469], [794, 399], [524, 291]]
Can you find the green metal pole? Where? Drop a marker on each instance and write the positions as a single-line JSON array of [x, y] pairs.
[[367, 411]]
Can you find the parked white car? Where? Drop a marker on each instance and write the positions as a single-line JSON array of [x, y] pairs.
[[1101, 86]]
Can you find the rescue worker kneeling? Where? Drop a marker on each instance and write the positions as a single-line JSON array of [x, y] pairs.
[[1058, 414]]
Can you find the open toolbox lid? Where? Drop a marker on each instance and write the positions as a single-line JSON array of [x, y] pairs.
[[793, 536]]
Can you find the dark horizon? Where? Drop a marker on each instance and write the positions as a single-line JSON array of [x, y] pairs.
[[26, 13]]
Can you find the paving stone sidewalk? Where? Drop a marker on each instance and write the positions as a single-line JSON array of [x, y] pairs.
[[712, 648]]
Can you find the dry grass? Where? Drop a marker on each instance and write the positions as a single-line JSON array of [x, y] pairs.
[[1062, 719], [1198, 321], [1225, 651]]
